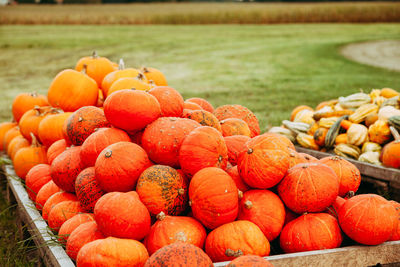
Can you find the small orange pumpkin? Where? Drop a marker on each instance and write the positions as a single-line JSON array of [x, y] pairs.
[[45, 193], [128, 83], [171, 101], [4, 127], [61, 212], [71, 224], [26, 101], [51, 128], [235, 126], [203, 117], [154, 75], [204, 104], [16, 144]]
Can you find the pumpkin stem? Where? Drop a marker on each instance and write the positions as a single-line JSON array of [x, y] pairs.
[[240, 194], [231, 253], [140, 77], [249, 151], [35, 142], [133, 88], [94, 54], [305, 165], [145, 69], [80, 119], [181, 191], [121, 64], [292, 154], [220, 158], [161, 216], [395, 134], [84, 69], [248, 204], [152, 83], [34, 94], [190, 203], [108, 153], [350, 194]]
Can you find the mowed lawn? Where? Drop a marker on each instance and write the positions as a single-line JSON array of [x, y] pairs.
[[270, 69]]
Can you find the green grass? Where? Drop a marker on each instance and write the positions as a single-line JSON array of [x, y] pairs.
[[202, 13], [270, 69]]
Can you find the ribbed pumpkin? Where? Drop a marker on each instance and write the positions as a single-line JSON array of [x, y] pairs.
[[128, 83], [16, 144], [66, 167], [56, 149], [235, 239], [71, 89], [265, 209], [390, 155], [289, 216], [171, 101], [154, 75], [163, 189], [51, 128], [203, 147], [240, 112], [191, 106], [203, 117], [213, 197], [26, 101], [54, 200], [265, 160], [45, 193], [83, 123], [61, 212], [179, 254], [71, 224], [334, 208], [96, 67], [79, 237], [312, 231], [28, 157], [234, 173], [36, 178], [396, 230], [9, 136], [235, 145], [204, 104], [296, 158], [122, 215], [170, 229], [119, 166], [250, 261], [309, 187], [368, 219], [99, 140], [131, 110], [348, 174], [162, 139], [4, 127], [87, 189], [29, 122], [235, 126]]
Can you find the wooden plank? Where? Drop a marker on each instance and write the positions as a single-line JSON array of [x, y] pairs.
[[388, 252], [367, 169], [50, 250]]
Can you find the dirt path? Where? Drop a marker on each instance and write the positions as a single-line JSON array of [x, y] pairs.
[[383, 54]]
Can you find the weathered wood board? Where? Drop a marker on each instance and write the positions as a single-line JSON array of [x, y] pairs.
[[367, 169]]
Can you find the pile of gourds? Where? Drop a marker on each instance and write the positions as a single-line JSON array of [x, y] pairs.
[[359, 126]]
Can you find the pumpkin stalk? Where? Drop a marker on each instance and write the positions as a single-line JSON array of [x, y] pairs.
[[145, 69], [94, 54], [240, 194], [84, 69], [395, 134], [248, 204], [161, 216], [35, 142], [108, 154], [121, 64], [231, 253], [249, 151], [181, 191]]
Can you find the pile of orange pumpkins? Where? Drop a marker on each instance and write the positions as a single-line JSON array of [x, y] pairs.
[[128, 173], [360, 126]]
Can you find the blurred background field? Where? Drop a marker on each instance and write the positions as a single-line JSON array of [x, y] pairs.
[[201, 13]]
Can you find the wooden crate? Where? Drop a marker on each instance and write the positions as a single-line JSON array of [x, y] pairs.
[[53, 254]]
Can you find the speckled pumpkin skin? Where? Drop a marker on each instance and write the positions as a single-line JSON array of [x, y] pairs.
[[162, 188], [61, 212], [235, 126], [162, 139], [204, 104], [171, 101], [83, 122], [71, 224], [203, 117], [240, 112], [56, 149], [87, 189], [235, 145], [250, 261], [54, 200], [234, 173], [37, 177], [179, 254], [396, 230]]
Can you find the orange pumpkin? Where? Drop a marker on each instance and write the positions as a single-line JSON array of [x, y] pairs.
[[235, 126], [56, 149], [379, 132], [26, 101], [240, 112], [390, 155], [319, 136], [309, 187], [204, 104], [80, 236], [54, 200], [119, 166], [162, 139], [131, 110], [213, 197], [83, 123], [265, 209], [16, 144], [235, 145], [29, 122], [96, 67], [162, 189], [9, 136], [179, 254], [203, 147], [312, 231], [4, 127], [87, 189], [71, 224], [235, 239], [234, 173], [28, 157], [171, 101], [396, 230], [203, 117], [170, 229], [61, 212], [122, 215], [71, 90], [191, 106], [341, 139], [348, 174], [36, 178], [47, 190], [51, 128], [154, 75], [128, 83], [249, 260]]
